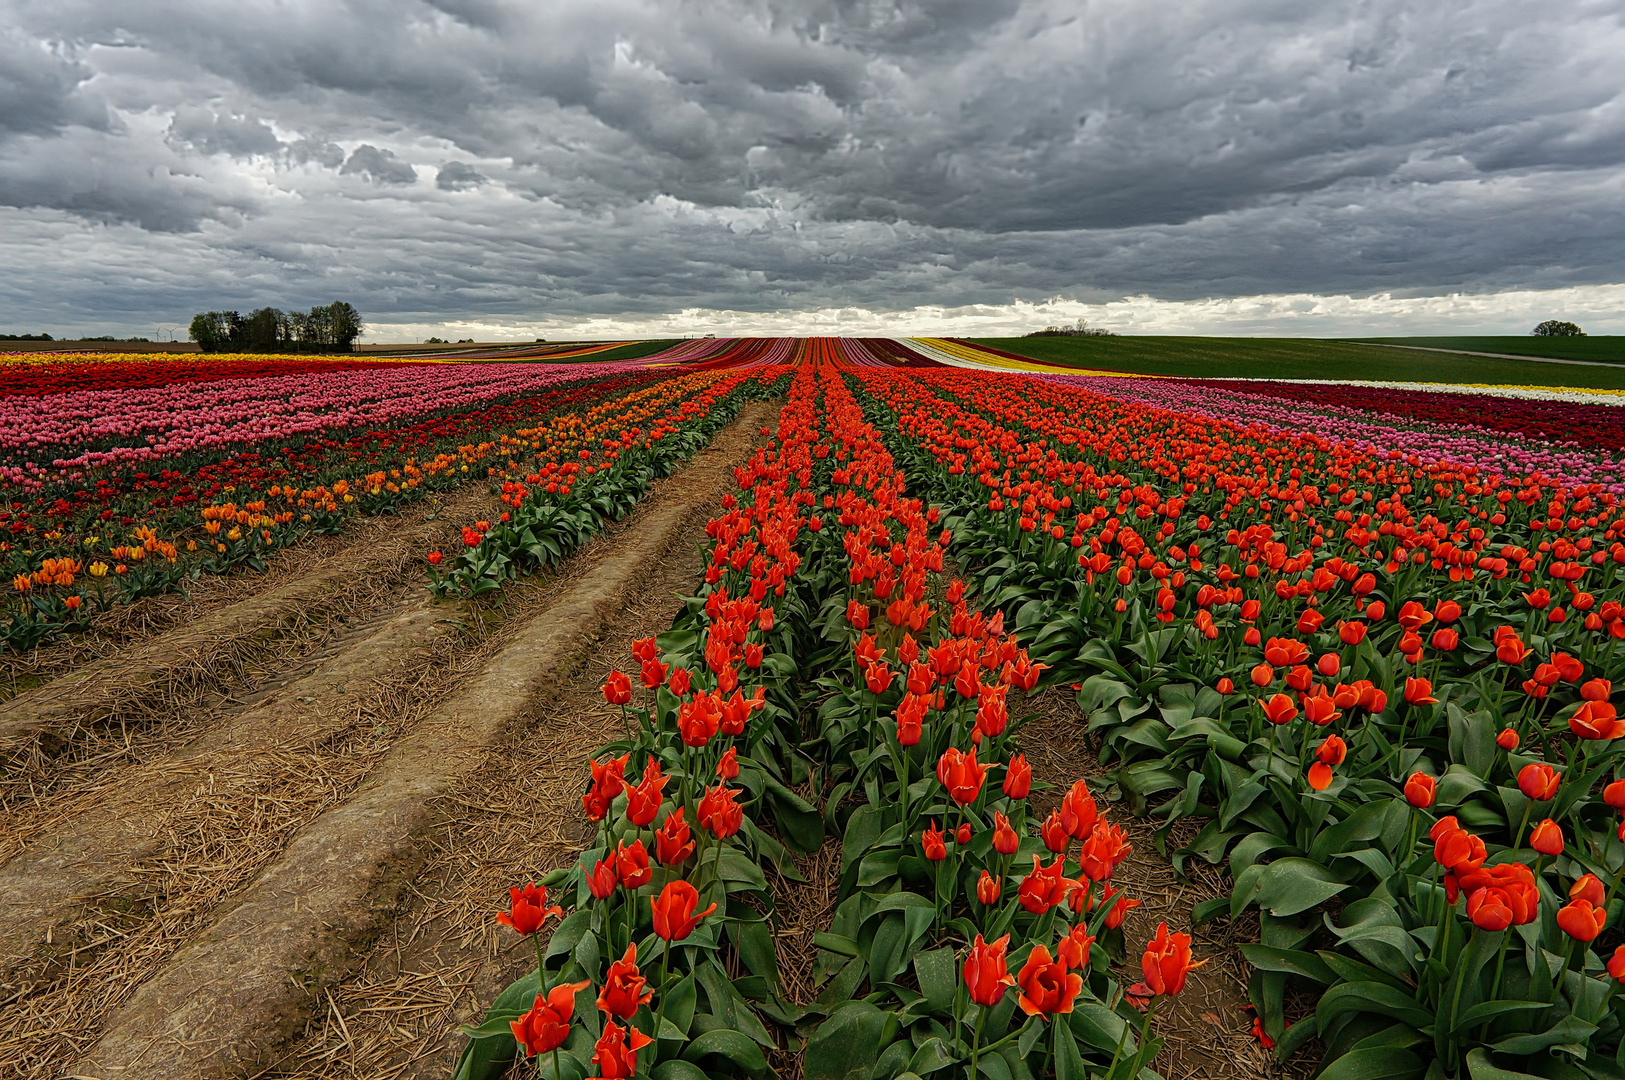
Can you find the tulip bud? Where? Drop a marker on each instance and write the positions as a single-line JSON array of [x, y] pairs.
[[1547, 838], [1420, 789]]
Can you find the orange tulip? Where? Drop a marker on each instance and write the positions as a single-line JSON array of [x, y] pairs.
[[1018, 777], [546, 1024], [1167, 961], [624, 987], [1047, 987], [1538, 780], [527, 909], [674, 914], [1581, 920], [986, 974], [1547, 838], [1420, 789]]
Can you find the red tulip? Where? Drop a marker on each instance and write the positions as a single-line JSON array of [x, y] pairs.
[[1616, 965], [878, 677], [527, 909], [910, 719], [546, 1024], [1507, 740], [616, 1052], [1538, 781], [1044, 887], [1047, 987], [1279, 709], [1420, 789], [1167, 961], [720, 811], [1488, 909], [1018, 777], [1547, 838], [602, 881], [674, 914], [1103, 852], [961, 775], [1078, 811], [857, 615], [1054, 832], [673, 841], [1005, 840], [986, 975], [632, 864], [624, 987], [1419, 692], [935, 846], [1581, 920], [728, 764], [617, 688], [988, 889], [1073, 948], [643, 802], [1587, 887]]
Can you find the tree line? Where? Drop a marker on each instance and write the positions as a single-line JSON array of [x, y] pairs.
[[330, 328]]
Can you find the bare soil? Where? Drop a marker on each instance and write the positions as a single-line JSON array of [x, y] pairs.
[[282, 838], [442, 960]]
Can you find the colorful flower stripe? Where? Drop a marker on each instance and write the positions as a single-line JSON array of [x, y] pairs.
[[1481, 448], [1599, 426]]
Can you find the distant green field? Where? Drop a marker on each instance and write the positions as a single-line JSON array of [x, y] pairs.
[[1295, 358], [1606, 349], [631, 351]]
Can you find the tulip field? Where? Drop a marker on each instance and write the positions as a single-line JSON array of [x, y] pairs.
[[1353, 643]]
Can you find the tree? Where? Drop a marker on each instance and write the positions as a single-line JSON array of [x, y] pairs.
[[1557, 328], [330, 328], [215, 331]]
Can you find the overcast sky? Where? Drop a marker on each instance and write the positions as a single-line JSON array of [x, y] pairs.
[[513, 169]]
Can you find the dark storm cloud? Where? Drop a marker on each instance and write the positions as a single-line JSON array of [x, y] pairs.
[[379, 166], [458, 176], [633, 156]]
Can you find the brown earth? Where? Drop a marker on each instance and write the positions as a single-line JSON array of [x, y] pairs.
[[282, 839]]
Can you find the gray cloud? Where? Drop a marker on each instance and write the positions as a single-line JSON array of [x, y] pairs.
[[210, 132], [379, 166], [628, 155], [458, 176]]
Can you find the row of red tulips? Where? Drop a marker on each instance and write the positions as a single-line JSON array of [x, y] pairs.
[[1318, 650], [831, 655]]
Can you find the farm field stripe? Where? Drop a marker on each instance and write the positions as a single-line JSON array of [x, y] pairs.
[[225, 999], [159, 675], [93, 855]]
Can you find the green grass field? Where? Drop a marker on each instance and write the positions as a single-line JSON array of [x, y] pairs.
[[1606, 349], [1296, 358]]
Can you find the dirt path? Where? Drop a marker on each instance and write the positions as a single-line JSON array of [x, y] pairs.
[[442, 959], [1208, 1029], [213, 858]]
